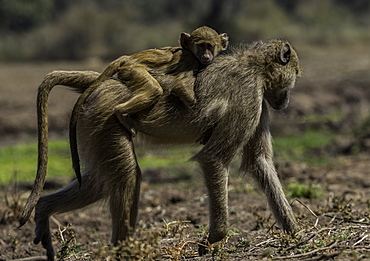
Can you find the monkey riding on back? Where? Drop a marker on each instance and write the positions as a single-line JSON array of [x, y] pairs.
[[233, 94], [138, 72]]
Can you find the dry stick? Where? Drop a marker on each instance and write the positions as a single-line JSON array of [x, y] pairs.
[[362, 239], [265, 242], [313, 213], [59, 227], [55, 221], [329, 246], [332, 220], [261, 243], [271, 227], [308, 239], [348, 220], [183, 246], [358, 249], [324, 256], [33, 258], [301, 243], [332, 245]]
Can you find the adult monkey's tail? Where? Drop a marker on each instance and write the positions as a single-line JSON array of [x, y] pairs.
[[77, 80]]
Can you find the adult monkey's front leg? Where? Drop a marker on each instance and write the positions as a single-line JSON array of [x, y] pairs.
[[258, 161]]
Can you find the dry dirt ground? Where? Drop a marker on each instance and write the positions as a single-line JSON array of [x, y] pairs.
[[335, 224]]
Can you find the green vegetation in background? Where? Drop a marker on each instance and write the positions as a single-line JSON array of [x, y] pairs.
[[334, 117], [164, 158], [20, 161], [80, 29], [303, 190], [299, 148]]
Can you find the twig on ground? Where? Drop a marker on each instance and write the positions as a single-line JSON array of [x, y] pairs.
[[310, 210], [348, 220], [32, 258], [300, 243], [359, 241], [330, 246]]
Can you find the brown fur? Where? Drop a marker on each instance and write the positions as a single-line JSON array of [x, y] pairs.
[[233, 94], [138, 72]]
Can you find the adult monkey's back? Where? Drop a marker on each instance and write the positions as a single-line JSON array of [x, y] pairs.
[[231, 116]]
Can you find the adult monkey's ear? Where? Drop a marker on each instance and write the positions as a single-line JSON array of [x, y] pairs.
[[285, 54], [224, 41], [185, 40]]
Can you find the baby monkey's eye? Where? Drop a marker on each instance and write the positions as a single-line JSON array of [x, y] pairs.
[[210, 47], [202, 45]]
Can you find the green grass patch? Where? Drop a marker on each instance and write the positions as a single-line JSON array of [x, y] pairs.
[[164, 157], [320, 118], [300, 148], [303, 190], [20, 161]]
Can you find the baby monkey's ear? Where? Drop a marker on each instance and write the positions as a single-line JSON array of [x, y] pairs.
[[185, 40], [224, 41]]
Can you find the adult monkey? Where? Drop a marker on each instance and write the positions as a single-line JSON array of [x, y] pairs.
[[136, 72], [204, 43], [232, 97]]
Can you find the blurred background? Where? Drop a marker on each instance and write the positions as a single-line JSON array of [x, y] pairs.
[[79, 29], [332, 37], [329, 106], [321, 141]]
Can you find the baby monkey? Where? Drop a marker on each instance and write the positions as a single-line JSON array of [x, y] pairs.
[[204, 43], [140, 70], [137, 71]]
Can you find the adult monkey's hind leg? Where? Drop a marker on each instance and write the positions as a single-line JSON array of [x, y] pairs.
[[125, 193], [119, 171], [70, 198], [216, 180]]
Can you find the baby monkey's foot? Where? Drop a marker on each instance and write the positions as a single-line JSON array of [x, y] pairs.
[[127, 122], [205, 136]]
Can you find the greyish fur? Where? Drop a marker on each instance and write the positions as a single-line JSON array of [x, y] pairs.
[[231, 115]]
